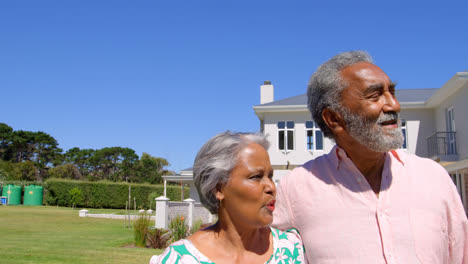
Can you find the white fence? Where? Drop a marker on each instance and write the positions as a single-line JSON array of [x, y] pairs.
[[191, 211], [165, 212]]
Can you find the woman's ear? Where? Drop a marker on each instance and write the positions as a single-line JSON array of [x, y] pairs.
[[219, 193], [333, 120]]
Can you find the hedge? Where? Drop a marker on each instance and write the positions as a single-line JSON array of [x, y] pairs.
[[104, 194]]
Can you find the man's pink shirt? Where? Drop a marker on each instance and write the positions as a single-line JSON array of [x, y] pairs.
[[418, 216]]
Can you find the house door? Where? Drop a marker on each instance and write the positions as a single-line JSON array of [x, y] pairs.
[[451, 146]]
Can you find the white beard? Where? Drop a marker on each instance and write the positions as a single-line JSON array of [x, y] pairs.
[[370, 133]]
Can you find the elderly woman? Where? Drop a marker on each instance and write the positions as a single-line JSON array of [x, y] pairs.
[[233, 176]]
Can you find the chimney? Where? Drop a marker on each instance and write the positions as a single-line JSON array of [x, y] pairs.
[[266, 93]]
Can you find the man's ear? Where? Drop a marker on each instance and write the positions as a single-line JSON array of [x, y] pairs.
[[333, 120]]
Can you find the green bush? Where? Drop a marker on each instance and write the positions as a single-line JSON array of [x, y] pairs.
[[104, 194], [18, 171], [140, 229], [76, 196], [65, 171], [178, 229]]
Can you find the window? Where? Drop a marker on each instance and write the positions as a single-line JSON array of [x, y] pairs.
[[314, 136], [286, 135], [450, 122], [403, 130]]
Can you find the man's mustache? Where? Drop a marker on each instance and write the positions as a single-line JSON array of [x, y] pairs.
[[388, 116]]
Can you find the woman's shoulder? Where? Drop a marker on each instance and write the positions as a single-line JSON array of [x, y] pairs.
[[291, 235], [288, 247], [182, 252]]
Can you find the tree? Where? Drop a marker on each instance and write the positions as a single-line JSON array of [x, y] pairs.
[[115, 163], [21, 145], [150, 169], [5, 134], [37, 147], [46, 150], [81, 159], [23, 171]]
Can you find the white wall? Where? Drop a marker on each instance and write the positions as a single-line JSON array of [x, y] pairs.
[[300, 155], [419, 125], [459, 101]]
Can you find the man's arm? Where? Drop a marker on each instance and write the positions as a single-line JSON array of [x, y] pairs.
[[282, 216], [457, 227]]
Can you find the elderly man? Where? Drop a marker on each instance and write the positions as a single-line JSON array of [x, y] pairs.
[[365, 201]]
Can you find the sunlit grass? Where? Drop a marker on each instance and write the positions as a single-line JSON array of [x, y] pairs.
[[37, 234]]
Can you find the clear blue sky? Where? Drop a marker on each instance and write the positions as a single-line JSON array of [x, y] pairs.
[[163, 77]]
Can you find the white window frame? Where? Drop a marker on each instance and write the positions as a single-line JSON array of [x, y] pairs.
[[286, 130], [314, 129], [404, 127], [450, 123]]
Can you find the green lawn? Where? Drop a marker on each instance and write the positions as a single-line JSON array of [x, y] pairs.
[[41, 234]]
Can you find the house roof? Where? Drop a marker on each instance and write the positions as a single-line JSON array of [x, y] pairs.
[[414, 95], [403, 95], [295, 100]]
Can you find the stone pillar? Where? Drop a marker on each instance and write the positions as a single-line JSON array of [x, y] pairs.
[[191, 205], [210, 217], [165, 188], [162, 212], [83, 213]]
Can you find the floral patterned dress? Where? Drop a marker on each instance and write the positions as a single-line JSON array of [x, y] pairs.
[[287, 248]]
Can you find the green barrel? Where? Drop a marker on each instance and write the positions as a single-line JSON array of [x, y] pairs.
[[13, 193], [33, 195]]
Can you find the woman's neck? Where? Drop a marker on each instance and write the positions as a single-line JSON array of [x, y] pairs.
[[225, 242], [242, 238]]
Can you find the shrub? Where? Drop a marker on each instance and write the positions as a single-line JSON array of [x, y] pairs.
[[68, 171], [25, 171], [178, 228], [104, 194], [75, 196], [140, 229], [158, 237]]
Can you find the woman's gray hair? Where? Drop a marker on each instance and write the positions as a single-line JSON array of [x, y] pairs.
[[326, 85], [215, 161]]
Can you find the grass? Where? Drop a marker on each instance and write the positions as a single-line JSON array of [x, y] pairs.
[[40, 234]]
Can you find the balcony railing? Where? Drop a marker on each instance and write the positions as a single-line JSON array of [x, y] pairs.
[[442, 144]]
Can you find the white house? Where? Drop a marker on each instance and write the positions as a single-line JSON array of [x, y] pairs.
[[184, 178], [433, 124]]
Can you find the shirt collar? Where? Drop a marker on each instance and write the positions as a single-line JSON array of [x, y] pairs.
[[338, 154]]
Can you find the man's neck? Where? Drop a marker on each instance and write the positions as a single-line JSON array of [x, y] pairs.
[[369, 163]]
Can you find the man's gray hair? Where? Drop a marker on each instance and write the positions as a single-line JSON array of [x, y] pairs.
[[326, 85], [215, 161]]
